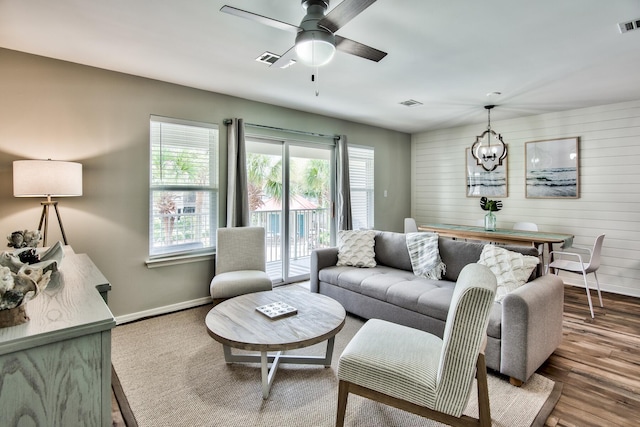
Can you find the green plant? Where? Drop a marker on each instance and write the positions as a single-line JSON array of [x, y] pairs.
[[490, 205]]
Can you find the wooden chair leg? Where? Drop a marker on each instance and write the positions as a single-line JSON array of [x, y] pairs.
[[483, 392], [515, 382], [343, 393]]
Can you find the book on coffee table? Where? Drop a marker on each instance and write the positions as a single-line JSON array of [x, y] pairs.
[[277, 310]]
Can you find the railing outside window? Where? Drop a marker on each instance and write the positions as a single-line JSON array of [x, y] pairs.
[[310, 229]]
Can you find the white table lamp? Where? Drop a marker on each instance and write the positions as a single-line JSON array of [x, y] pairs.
[[47, 178]]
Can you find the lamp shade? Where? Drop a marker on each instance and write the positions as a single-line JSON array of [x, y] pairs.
[[38, 178]]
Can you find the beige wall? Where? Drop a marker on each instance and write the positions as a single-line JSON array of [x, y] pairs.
[[609, 203], [64, 111]]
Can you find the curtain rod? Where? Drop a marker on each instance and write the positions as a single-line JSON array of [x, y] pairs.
[[227, 122]]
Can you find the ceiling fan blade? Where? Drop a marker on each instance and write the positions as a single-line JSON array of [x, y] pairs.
[[343, 13], [285, 60], [359, 49], [259, 18]]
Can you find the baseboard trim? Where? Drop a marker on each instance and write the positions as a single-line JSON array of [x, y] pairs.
[[604, 287], [126, 318], [132, 317]]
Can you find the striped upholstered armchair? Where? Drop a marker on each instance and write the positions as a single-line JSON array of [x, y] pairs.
[[240, 263], [419, 372]]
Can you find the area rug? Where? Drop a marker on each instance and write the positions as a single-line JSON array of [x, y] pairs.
[[173, 374]]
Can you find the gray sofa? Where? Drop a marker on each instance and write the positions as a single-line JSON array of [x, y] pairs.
[[524, 329]]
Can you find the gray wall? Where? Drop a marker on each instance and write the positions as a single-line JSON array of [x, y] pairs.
[[64, 111], [609, 203]]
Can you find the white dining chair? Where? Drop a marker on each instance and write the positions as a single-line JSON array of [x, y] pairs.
[[525, 226], [579, 266], [410, 225], [530, 226]]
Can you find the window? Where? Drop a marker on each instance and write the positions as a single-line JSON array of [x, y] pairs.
[[183, 186], [361, 183]]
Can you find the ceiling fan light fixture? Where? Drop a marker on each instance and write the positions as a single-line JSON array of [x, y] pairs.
[[315, 48]]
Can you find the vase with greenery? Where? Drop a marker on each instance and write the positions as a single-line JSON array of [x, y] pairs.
[[491, 206]]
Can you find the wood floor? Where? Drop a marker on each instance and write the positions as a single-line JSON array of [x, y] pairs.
[[598, 362]]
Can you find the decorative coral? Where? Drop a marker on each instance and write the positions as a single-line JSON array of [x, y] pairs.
[[17, 290], [48, 260], [20, 282], [24, 239]]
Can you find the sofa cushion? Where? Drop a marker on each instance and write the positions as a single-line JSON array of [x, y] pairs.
[[347, 277], [356, 248], [391, 250], [512, 269], [456, 255], [424, 255], [398, 287], [436, 303], [378, 286]]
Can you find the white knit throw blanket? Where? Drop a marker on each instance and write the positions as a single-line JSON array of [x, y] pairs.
[[424, 254]]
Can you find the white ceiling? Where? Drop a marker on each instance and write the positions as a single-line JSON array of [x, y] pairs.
[[542, 55]]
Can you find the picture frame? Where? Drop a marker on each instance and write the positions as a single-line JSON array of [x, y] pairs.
[[552, 169], [482, 183]]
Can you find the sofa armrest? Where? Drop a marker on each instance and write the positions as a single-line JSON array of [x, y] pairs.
[[531, 325], [321, 258]]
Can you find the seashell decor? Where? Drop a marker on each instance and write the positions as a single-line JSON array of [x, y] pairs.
[[21, 281]]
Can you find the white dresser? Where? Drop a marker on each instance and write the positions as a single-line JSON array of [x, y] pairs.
[[55, 370]]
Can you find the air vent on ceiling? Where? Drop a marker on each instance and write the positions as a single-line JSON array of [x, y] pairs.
[[268, 58], [629, 25], [411, 103]]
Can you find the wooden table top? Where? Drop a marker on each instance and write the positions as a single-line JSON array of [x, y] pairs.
[[70, 306], [236, 322], [500, 235]]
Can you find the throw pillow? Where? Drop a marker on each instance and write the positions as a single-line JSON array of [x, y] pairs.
[[512, 269], [425, 256], [355, 248]]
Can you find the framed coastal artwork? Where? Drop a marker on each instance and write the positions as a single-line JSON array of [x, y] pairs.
[[482, 183], [552, 168]]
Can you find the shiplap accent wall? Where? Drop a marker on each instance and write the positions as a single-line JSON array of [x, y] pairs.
[[609, 202]]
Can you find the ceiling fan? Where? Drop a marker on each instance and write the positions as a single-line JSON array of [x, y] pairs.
[[316, 41]]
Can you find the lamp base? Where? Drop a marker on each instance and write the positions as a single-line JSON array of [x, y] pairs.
[[44, 220]]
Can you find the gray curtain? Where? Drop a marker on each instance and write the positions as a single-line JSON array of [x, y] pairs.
[[343, 208], [237, 193]]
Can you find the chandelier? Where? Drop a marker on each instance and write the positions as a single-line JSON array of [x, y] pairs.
[[489, 149]]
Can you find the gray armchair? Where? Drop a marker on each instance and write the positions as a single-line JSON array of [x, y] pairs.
[[240, 263]]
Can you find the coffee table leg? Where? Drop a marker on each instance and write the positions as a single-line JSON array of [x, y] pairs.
[[268, 374], [228, 357], [265, 375], [329, 355]]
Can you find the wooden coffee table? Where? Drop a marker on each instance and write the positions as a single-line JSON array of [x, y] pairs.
[[237, 324]]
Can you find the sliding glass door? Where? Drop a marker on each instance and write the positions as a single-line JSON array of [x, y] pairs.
[[291, 194]]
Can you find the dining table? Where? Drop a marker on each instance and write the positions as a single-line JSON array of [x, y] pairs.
[[501, 235]]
